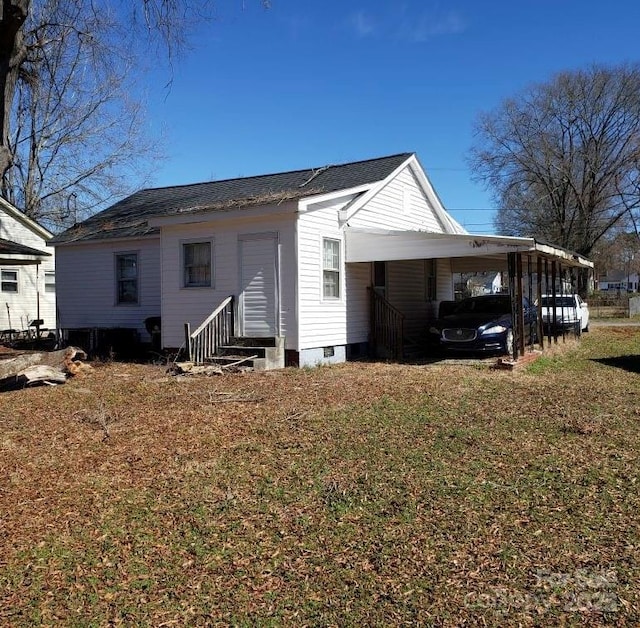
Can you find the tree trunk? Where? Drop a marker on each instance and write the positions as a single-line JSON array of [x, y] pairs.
[[13, 14], [53, 367]]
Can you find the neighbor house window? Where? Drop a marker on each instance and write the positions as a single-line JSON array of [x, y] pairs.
[[49, 281], [9, 280], [127, 278], [196, 260], [331, 268]]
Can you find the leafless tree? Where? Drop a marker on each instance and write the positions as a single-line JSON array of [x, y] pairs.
[[69, 126], [76, 136], [562, 158]]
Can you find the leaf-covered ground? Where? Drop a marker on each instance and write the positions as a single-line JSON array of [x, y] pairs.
[[360, 494]]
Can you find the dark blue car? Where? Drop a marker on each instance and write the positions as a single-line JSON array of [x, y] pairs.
[[480, 325]]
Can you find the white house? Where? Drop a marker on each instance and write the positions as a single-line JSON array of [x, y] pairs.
[[620, 281], [27, 269], [321, 259]]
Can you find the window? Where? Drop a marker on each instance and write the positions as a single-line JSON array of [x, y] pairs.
[[196, 260], [126, 278], [331, 268], [49, 281], [9, 281]]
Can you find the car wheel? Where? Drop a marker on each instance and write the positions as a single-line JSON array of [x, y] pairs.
[[508, 342], [578, 329], [586, 329]]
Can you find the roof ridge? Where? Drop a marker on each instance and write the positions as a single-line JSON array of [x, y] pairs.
[[315, 170]]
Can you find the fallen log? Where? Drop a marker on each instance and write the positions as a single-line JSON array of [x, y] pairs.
[[40, 374], [41, 367]]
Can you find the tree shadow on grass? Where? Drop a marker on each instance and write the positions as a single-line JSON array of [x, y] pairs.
[[629, 363]]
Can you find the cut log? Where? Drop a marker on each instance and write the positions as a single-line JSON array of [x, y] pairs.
[[40, 374], [61, 363]]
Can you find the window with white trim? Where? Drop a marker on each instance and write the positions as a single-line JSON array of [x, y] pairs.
[[126, 278], [196, 264], [9, 280], [49, 281], [330, 268]]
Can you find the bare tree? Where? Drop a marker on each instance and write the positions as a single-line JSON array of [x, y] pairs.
[[562, 158], [75, 134], [68, 124]]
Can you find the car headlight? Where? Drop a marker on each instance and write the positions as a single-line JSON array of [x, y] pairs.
[[496, 329], [434, 330]]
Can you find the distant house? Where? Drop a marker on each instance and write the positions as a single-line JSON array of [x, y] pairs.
[[619, 281], [476, 284], [333, 262], [27, 269]]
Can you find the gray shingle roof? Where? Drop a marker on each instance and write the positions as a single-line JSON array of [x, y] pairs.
[[129, 217], [7, 247]]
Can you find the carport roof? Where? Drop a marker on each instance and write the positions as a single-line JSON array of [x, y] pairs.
[[369, 245]]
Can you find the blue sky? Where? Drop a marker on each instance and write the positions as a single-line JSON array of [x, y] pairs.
[[310, 83]]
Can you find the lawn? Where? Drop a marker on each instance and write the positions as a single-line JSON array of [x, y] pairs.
[[360, 494]]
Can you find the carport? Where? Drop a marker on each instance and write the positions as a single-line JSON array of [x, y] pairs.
[[541, 263]]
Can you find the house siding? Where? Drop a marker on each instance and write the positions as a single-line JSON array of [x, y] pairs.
[[31, 280], [444, 283], [92, 266], [193, 305], [400, 205], [323, 322], [406, 290]]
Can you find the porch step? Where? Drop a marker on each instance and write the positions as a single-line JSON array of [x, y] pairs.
[[269, 352], [257, 363], [266, 341]]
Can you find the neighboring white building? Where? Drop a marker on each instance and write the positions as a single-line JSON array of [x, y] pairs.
[[27, 271], [298, 251], [619, 281]]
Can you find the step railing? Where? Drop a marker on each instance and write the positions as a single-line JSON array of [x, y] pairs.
[[387, 326], [216, 330]]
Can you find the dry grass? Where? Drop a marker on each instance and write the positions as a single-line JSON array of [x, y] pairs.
[[362, 494]]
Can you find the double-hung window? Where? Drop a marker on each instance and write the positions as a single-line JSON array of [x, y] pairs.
[[49, 281], [196, 261], [126, 278], [330, 268], [9, 280]]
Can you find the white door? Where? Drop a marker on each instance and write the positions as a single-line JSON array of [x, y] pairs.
[[259, 285]]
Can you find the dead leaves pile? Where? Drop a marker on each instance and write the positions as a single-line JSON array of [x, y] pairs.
[[356, 494]]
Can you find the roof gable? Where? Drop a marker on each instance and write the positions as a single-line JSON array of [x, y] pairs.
[[13, 212], [129, 217], [447, 222]]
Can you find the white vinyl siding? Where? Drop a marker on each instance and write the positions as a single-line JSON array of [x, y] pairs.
[[322, 321], [180, 306], [31, 296], [444, 283], [86, 290], [400, 205], [406, 291]]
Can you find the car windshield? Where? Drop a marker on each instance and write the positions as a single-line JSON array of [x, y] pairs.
[[560, 302], [484, 305]]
